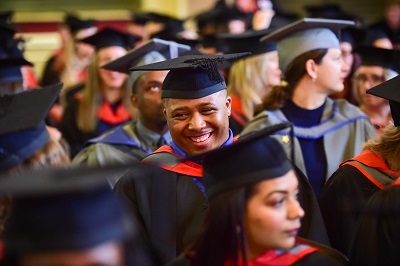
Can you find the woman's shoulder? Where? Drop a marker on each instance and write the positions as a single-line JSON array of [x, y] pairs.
[[324, 255], [347, 109], [262, 120]]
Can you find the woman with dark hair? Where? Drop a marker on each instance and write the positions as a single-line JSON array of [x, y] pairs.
[[326, 131], [254, 214]]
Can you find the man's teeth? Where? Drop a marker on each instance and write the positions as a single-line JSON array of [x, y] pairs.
[[201, 139]]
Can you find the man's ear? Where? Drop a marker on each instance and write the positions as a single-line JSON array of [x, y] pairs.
[[134, 100]]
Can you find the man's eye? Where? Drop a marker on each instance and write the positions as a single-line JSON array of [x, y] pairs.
[[154, 88]]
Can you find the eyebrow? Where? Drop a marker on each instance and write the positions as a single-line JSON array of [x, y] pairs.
[[183, 108]]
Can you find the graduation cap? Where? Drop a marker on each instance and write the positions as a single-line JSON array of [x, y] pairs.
[[75, 24], [252, 158], [248, 41], [353, 35], [173, 24], [11, 60], [155, 50], [139, 18], [191, 76], [6, 16], [22, 127], [389, 90], [329, 11], [374, 56], [64, 209], [167, 49], [110, 37], [305, 35]]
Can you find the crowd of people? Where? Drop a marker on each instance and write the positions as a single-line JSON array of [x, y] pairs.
[[263, 138]]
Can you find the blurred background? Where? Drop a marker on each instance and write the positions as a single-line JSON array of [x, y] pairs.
[[37, 20]]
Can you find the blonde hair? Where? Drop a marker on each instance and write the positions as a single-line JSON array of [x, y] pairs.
[[247, 79], [387, 146], [92, 98]]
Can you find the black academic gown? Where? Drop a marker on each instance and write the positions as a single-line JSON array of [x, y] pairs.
[[169, 209], [343, 198]]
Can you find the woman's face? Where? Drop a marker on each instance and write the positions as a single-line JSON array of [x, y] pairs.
[[331, 72], [365, 78], [347, 55], [273, 213], [111, 79], [273, 72]]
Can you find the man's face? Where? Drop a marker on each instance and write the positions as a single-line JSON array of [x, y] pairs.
[[147, 99], [199, 125]]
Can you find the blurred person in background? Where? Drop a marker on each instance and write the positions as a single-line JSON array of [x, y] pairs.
[[250, 78], [377, 65], [25, 142], [348, 190], [103, 101], [70, 63]]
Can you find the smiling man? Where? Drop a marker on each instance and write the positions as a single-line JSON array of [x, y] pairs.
[[172, 206]]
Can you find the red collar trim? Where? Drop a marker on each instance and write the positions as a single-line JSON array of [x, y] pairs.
[[373, 160], [106, 114]]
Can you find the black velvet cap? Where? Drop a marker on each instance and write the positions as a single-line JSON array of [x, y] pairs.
[[75, 24], [390, 90], [173, 24], [353, 35], [11, 60], [248, 41], [330, 11], [110, 37], [374, 56], [139, 18], [71, 209], [305, 35], [191, 76], [167, 49], [22, 127], [254, 157]]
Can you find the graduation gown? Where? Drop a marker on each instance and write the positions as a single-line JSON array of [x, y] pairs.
[[346, 194], [303, 253], [169, 207], [343, 126]]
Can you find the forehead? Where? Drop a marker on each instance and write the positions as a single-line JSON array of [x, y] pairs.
[[217, 99], [158, 76], [286, 182], [370, 69]]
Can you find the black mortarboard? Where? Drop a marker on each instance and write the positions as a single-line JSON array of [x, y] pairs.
[[390, 90], [6, 16], [139, 18], [173, 24], [22, 127], [191, 76], [110, 37], [75, 24], [167, 49], [329, 11], [248, 41], [155, 50], [305, 35], [252, 158], [374, 34], [11, 60], [374, 56], [64, 209], [352, 35]]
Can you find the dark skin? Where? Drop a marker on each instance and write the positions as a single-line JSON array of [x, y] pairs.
[[147, 99]]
